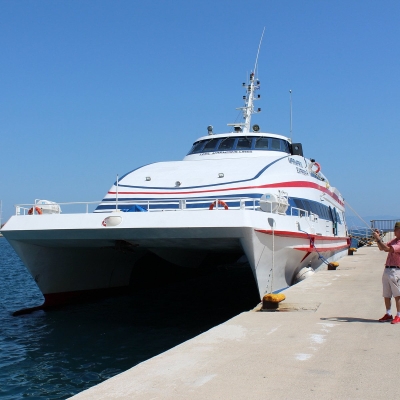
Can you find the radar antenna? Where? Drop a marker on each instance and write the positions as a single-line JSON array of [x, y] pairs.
[[249, 98]]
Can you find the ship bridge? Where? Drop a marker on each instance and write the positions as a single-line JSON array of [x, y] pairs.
[[239, 145]]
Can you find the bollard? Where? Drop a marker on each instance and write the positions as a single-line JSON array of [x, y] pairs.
[[271, 301], [351, 251], [333, 265]]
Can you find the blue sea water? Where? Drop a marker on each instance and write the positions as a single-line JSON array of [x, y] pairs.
[[56, 354]]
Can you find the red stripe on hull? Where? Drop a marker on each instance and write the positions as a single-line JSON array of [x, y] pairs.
[[302, 235], [299, 184], [321, 249]]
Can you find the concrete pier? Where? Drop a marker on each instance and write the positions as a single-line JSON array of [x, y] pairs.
[[326, 345]]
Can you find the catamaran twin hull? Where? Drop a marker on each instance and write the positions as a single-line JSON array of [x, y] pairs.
[[71, 255], [243, 192]]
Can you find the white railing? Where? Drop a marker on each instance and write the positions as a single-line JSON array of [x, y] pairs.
[[24, 209], [187, 204]]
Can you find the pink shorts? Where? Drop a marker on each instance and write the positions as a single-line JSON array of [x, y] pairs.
[[391, 282]]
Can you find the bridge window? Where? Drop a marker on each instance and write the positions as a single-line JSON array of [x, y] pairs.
[[275, 144], [244, 143], [210, 146], [227, 144], [197, 147], [262, 143], [285, 146], [240, 143]]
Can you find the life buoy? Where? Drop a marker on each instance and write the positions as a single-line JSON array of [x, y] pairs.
[[318, 168], [37, 211], [220, 203]]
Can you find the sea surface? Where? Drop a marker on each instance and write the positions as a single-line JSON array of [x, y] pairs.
[[56, 354]]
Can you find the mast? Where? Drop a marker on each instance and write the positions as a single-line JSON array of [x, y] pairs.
[[248, 109], [290, 92]]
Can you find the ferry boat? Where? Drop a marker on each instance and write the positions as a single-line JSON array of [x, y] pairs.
[[242, 193]]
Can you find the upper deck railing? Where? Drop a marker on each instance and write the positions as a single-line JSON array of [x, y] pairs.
[[188, 204], [75, 206]]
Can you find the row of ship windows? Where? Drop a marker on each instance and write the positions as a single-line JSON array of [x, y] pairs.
[[240, 143], [322, 211]]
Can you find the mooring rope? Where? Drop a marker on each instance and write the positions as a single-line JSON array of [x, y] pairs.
[[355, 212]]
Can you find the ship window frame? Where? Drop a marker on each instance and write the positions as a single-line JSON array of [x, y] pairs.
[[222, 140], [273, 142], [261, 138], [217, 141], [285, 146], [200, 146], [195, 144], [249, 139]]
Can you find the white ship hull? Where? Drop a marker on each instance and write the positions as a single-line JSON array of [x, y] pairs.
[[243, 192], [70, 256]]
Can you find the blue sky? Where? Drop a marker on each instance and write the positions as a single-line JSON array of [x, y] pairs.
[[92, 89]]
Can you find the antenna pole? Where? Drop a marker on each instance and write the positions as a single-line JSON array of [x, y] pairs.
[[290, 91], [248, 109], [258, 52]]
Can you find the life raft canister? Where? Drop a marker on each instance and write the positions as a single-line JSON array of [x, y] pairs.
[[220, 203], [37, 211]]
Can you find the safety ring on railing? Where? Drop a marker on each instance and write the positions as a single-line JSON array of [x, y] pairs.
[[220, 203], [37, 211], [104, 222], [318, 168]]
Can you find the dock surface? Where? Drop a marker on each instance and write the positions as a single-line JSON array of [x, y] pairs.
[[328, 344]]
